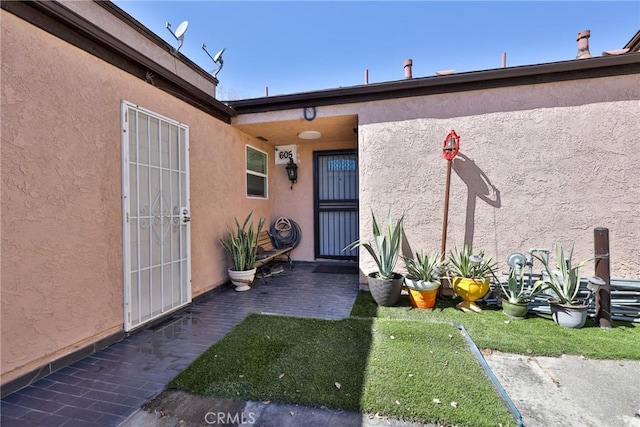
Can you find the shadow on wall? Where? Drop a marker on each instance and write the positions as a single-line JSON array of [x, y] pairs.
[[478, 187]]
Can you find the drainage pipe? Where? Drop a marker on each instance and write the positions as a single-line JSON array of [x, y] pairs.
[[503, 394]]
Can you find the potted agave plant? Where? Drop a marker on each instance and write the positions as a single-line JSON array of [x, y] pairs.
[[385, 284], [423, 279], [469, 275], [516, 295], [566, 309], [242, 246]]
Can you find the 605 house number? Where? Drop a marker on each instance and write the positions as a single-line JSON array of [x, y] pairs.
[[285, 155]]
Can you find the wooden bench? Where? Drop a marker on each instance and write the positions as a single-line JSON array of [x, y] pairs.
[[268, 253]]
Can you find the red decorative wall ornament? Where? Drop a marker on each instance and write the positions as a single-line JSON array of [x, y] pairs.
[[451, 145]]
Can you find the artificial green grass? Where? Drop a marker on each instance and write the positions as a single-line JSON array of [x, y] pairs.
[[386, 366], [537, 335]]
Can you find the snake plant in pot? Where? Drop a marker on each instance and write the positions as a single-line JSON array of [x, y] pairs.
[[423, 278], [469, 275], [242, 245], [566, 308], [385, 284]]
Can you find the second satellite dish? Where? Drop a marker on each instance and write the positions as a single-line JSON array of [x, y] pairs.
[[217, 58]]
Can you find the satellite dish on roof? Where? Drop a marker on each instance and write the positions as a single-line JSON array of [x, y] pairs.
[[182, 28], [217, 58], [179, 34]]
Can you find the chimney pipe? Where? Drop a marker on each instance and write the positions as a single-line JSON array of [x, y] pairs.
[[504, 59], [366, 76], [408, 63], [583, 44]]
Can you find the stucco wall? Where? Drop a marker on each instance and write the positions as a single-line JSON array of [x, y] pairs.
[[297, 203], [62, 263], [537, 165]]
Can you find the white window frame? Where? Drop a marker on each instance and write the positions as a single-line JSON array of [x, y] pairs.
[[254, 173]]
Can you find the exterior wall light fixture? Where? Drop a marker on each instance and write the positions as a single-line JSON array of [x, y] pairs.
[[292, 172]]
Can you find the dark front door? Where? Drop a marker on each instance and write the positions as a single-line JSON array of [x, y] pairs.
[[336, 203]]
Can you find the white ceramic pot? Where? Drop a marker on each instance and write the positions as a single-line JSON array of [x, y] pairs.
[[242, 279], [569, 316]]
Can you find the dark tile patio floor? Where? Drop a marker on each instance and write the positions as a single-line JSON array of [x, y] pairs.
[[105, 388]]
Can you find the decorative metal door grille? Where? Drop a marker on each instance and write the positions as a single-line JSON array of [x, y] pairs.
[[157, 276], [336, 203]]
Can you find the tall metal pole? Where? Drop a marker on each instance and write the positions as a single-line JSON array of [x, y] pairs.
[[603, 295], [443, 248]]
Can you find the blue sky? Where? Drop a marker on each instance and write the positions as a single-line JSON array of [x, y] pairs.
[[299, 46]]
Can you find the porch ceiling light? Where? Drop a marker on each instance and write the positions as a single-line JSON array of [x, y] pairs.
[[309, 134]]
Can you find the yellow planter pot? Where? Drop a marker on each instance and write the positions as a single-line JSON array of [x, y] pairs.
[[470, 290]]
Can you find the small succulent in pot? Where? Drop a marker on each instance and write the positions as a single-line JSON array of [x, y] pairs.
[[385, 284], [241, 243], [466, 264], [387, 247], [424, 268], [564, 282], [566, 308], [469, 274], [516, 291]]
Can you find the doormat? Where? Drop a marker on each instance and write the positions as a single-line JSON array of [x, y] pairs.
[[336, 269]]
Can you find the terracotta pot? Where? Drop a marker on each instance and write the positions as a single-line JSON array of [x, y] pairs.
[[568, 316], [386, 293], [470, 290], [242, 279], [515, 310]]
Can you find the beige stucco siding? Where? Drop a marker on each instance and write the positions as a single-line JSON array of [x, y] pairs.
[[539, 164], [525, 178], [62, 266], [297, 203]]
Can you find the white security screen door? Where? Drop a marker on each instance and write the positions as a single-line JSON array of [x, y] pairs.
[[155, 176]]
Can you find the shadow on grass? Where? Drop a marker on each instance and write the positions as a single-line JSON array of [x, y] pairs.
[[402, 362], [361, 364], [285, 359]]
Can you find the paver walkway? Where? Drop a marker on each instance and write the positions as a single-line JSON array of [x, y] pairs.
[[108, 386]]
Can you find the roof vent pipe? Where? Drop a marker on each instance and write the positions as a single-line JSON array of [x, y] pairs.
[[408, 63], [583, 44]]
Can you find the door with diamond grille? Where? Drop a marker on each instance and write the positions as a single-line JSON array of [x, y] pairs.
[[155, 176]]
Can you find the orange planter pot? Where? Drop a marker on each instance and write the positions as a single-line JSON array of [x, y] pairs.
[[423, 299], [470, 290], [422, 294]]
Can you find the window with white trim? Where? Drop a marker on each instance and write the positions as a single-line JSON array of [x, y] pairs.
[[256, 173]]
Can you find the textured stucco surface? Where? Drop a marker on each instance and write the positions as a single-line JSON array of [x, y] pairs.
[[62, 266], [539, 164], [526, 178], [115, 27], [297, 203]]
